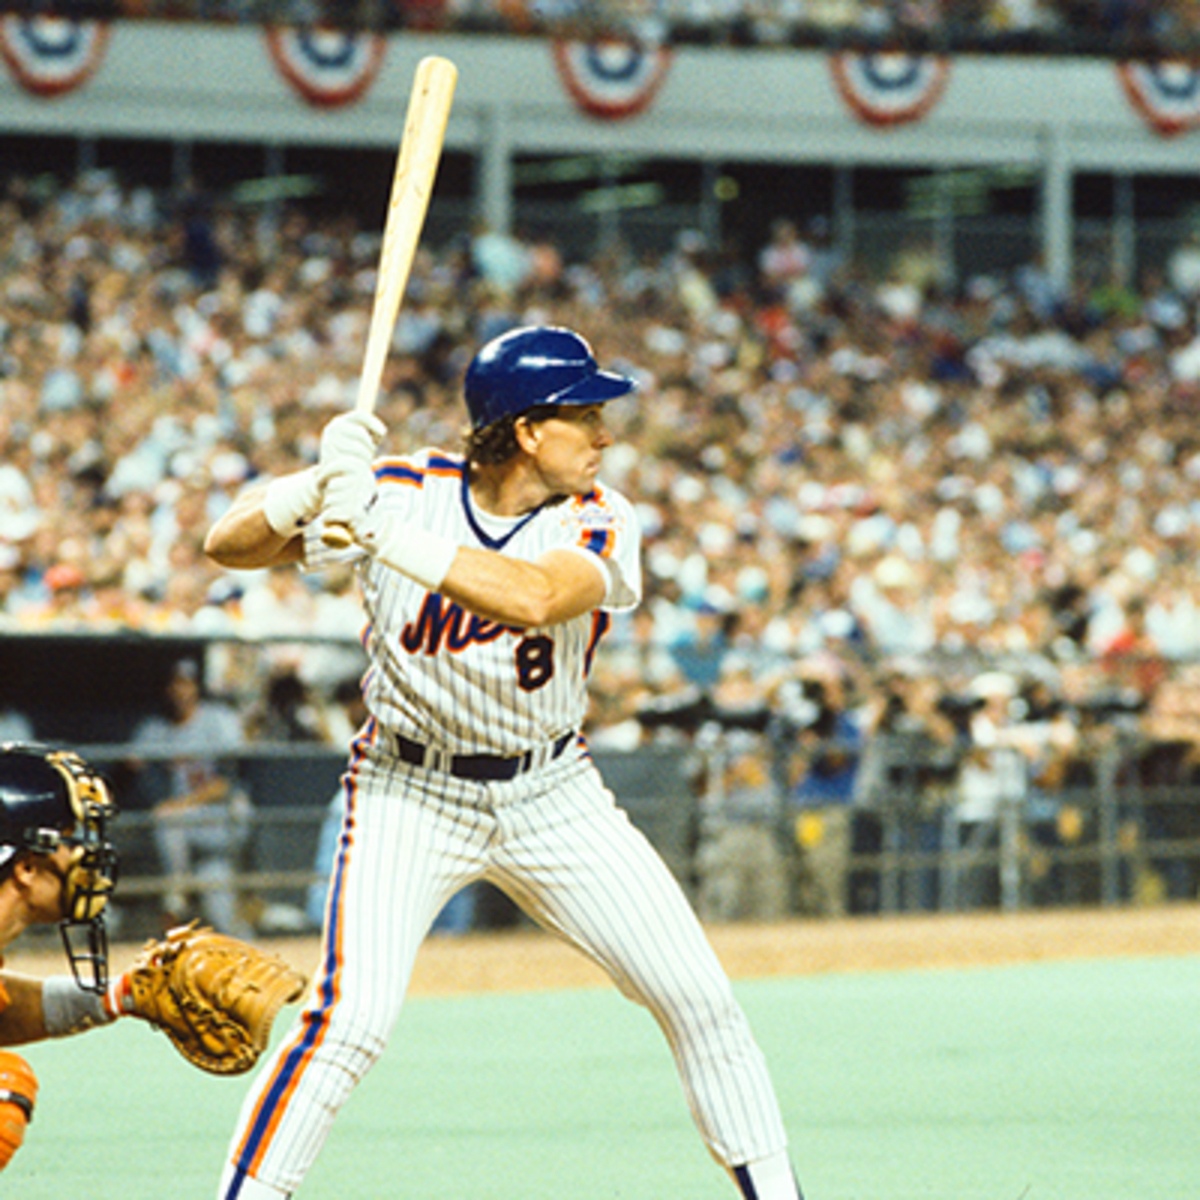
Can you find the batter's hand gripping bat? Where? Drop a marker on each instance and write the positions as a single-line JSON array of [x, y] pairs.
[[412, 185]]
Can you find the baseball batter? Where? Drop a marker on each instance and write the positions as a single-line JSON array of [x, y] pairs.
[[488, 580]]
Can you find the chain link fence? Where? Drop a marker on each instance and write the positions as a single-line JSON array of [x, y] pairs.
[[930, 832], [760, 815]]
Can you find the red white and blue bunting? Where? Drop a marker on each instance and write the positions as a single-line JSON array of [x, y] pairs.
[[611, 79], [328, 67], [49, 56], [1165, 94], [889, 88]]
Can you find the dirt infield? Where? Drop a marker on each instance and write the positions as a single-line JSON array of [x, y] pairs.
[[528, 960]]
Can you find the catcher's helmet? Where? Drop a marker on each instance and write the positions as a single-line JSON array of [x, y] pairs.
[[48, 799], [535, 365]]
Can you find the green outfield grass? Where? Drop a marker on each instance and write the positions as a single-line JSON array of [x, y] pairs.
[[1063, 1081]]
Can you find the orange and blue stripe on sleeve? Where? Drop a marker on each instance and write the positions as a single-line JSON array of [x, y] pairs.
[[444, 465], [403, 471], [394, 470], [599, 541], [314, 1025]]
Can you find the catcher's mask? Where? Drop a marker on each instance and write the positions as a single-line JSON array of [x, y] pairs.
[[48, 799]]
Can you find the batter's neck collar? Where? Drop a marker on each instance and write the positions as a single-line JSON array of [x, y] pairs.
[[486, 539]]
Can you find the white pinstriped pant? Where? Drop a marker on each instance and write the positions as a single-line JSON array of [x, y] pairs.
[[555, 841]]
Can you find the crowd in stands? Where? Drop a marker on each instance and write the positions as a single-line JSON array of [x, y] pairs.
[[848, 481], [1053, 26]]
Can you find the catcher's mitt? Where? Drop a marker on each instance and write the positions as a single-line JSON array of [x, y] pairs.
[[214, 996]]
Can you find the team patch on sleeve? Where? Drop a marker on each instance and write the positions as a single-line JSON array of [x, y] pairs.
[[598, 526], [597, 523], [605, 524]]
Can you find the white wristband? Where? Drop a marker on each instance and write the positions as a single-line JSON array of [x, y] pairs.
[[291, 501], [423, 556], [68, 1009]]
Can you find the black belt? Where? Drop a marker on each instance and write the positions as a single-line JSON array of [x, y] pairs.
[[492, 767]]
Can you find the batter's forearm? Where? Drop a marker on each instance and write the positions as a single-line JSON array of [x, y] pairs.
[[524, 594], [243, 538]]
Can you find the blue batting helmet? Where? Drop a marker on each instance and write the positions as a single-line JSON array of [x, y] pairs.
[[539, 364]]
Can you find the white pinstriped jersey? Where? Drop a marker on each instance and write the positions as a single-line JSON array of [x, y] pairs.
[[551, 836], [457, 681]]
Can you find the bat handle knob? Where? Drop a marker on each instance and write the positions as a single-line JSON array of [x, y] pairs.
[[337, 537]]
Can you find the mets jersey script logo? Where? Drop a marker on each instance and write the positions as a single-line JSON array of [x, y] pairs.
[[461, 681]]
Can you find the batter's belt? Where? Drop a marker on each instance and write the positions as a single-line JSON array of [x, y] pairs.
[[491, 768]]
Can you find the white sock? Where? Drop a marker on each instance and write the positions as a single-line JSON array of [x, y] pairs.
[[768, 1179], [250, 1189]]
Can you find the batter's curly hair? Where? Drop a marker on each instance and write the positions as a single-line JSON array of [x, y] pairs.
[[497, 443]]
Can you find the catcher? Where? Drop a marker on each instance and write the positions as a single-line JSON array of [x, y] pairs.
[[214, 997]]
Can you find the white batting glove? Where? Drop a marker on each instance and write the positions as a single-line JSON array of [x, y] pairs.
[[350, 494], [291, 501], [351, 501], [423, 556], [349, 441]]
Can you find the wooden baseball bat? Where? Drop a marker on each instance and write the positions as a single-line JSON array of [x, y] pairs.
[[412, 186]]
